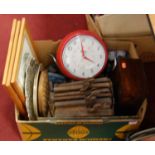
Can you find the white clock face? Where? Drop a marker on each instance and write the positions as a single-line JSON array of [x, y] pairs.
[[83, 56]]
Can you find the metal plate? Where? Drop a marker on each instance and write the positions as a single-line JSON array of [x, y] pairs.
[[31, 69], [35, 92]]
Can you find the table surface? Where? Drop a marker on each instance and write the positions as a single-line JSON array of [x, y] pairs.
[[42, 27]]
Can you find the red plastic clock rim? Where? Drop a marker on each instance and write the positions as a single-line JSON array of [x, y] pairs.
[[64, 42]]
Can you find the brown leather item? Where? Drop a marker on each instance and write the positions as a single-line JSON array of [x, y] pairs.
[[129, 85]]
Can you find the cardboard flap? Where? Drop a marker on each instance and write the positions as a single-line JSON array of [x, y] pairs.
[[91, 25], [123, 25], [44, 49], [142, 111], [152, 22]]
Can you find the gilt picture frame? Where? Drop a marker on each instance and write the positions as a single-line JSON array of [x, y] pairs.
[[24, 49], [9, 53], [6, 82]]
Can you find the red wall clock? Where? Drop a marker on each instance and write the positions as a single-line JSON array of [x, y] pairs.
[[82, 54]]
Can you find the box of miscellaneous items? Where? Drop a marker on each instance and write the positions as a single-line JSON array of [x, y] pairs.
[[79, 88]]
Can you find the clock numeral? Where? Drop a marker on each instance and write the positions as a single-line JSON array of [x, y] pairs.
[[98, 65], [101, 56], [74, 70], [91, 70], [98, 48], [83, 73], [69, 48]]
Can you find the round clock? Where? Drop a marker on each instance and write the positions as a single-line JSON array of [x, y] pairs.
[[81, 54]]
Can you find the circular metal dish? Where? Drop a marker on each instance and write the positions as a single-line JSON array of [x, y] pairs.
[[35, 92], [31, 68]]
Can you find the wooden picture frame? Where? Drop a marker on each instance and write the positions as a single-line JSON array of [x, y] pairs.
[[9, 66], [9, 54], [13, 54], [24, 49]]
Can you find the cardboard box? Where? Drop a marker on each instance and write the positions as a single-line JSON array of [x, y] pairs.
[[106, 128], [134, 28]]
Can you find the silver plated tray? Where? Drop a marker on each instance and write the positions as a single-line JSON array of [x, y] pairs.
[[31, 68], [35, 92]]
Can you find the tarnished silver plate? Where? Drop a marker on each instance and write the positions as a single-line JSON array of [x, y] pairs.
[[31, 68], [35, 92]]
